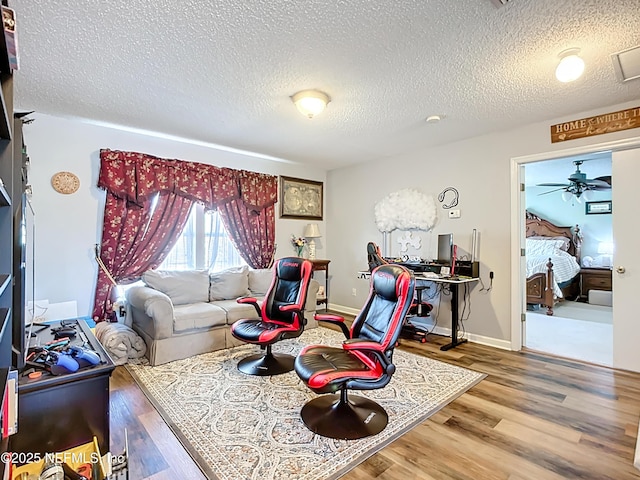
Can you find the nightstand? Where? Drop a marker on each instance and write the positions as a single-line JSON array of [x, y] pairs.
[[594, 278], [323, 265]]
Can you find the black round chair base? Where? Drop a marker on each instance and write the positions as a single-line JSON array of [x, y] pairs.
[[266, 365], [359, 417]]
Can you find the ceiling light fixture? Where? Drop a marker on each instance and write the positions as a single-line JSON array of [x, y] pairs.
[[310, 102], [571, 66], [433, 119]]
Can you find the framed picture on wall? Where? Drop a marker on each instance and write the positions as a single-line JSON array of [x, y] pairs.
[[593, 208], [300, 198]]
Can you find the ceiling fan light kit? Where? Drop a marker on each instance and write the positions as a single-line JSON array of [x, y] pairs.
[[310, 102], [571, 66]]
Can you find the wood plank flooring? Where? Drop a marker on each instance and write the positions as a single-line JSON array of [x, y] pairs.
[[534, 417]]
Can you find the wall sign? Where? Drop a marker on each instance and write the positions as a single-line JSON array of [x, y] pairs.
[[592, 208], [588, 127]]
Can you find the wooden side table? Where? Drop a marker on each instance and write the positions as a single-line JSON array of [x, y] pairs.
[[323, 265], [594, 279]]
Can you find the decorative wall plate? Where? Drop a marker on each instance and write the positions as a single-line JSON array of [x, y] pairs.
[[65, 182]]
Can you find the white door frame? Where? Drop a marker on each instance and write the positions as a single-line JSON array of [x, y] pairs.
[[518, 268]]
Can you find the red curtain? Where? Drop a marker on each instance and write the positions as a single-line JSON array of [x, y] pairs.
[[250, 219], [136, 237]]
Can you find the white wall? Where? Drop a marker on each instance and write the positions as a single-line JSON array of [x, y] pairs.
[[480, 169], [68, 226]]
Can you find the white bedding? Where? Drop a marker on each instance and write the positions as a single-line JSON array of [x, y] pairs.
[[565, 267]]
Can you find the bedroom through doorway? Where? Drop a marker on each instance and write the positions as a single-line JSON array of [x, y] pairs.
[[568, 207]]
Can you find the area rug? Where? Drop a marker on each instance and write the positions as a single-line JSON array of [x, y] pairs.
[[237, 426]]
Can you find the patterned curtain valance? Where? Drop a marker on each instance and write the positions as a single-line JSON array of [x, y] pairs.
[[136, 176]]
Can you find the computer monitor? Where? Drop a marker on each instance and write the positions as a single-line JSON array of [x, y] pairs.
[[445, 248]]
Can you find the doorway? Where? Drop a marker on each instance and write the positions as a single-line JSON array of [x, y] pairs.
[[625, 154], [563, 192]]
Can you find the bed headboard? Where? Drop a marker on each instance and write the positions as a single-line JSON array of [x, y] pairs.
[[537, 226]]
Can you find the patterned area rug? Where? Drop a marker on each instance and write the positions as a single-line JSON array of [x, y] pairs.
[[237, 426]]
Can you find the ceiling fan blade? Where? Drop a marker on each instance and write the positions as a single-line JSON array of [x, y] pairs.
[[598, 187], [551, 191], [605, 178], [552, 185], [598, 183]]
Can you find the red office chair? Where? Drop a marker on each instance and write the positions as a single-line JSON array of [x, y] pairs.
[[363, 363], [281, 316]]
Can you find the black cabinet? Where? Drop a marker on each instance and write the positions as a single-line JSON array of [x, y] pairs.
[[56, 413]]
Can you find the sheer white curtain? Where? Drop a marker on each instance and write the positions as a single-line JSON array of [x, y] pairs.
[[204, 244]]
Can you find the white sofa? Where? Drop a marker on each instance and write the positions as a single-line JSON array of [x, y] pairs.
[[181, 314]]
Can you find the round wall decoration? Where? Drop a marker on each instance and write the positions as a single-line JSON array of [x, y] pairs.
[[65, 182]]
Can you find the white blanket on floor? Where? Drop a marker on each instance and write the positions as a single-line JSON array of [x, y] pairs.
[[121, 342]]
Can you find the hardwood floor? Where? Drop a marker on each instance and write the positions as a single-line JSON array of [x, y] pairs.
[[534, 417]]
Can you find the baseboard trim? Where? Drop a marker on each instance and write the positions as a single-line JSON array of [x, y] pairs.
[[471, 337]]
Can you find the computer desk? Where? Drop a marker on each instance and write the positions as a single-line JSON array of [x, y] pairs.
[[454, 283]]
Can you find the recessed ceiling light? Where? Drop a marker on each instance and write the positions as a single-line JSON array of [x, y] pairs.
[[433, 119]]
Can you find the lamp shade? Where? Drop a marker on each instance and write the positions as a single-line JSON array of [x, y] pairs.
[[310, 102], [605, 248], [311, 230]]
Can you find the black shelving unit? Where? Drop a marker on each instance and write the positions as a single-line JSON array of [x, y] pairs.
[[7, 195]]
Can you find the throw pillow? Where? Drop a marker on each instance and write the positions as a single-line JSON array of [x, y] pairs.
[[190, 286], [229, 284], [260, 281]]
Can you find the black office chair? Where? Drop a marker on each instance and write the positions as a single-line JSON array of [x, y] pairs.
[[364, 362], [374, 256], [281, 317]]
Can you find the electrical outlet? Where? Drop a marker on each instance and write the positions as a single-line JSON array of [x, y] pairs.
[[354, 292], [454, 213]]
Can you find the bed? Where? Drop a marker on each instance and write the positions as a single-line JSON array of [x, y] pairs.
[[553, 262]]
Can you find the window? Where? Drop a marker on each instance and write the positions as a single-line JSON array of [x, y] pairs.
[[203, 245]]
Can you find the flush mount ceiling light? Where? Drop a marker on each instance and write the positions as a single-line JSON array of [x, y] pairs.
[[433, 118], [571, 66], [310, 102]]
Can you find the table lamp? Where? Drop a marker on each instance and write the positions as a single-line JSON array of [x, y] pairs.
[[312, 231], [606, 250]]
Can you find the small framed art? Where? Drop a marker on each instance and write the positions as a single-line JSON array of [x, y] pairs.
[[300, 198], [593, 208]]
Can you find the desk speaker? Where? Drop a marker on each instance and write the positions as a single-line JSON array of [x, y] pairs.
[[467, 268]]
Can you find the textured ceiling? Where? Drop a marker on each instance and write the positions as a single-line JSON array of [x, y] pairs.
[[223, 71]]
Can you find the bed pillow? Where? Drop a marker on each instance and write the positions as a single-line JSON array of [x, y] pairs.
[[537, 247], [566, 242]]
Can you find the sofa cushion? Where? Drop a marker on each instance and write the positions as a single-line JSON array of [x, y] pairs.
[[260, 281], [236, 311], [229, 284], [190, 286], [198, 315]]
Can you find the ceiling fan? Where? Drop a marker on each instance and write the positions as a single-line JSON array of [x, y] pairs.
[[579, 184]]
